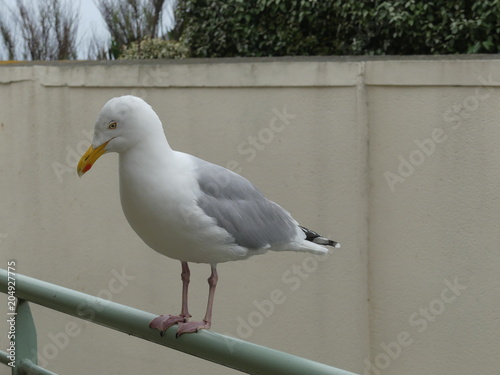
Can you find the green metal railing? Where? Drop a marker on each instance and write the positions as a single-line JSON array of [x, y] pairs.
[[214, 347]]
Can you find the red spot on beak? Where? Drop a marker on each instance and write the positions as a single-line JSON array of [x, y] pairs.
[[87, 167]]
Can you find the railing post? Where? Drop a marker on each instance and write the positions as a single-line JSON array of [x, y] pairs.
[[25, 339]]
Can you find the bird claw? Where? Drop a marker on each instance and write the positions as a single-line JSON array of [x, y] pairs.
[[191, 327], [164, 322]]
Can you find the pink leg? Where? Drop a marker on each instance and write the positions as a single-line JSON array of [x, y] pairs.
[[190, 327], [164, 322], [185, 284]]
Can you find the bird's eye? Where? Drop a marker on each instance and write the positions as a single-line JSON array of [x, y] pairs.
[[112, 125]]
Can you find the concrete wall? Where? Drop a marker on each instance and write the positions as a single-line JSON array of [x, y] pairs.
[[397, 159]]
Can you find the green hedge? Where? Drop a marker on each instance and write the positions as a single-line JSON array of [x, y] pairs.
[[154, 49], [228, 28]]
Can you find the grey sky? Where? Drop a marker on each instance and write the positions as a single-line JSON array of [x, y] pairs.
[[90, 18], [91, 24]]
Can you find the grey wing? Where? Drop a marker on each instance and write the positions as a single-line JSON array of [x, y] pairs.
[[240, 208]]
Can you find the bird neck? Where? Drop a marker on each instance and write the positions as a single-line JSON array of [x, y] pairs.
[[152, 153]]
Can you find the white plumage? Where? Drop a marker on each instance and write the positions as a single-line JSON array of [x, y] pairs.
[[186, 208]]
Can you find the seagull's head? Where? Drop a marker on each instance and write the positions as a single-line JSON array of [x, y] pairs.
[[123, 122]]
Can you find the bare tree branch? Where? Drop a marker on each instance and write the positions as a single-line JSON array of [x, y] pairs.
[[8, 41], [98, 49], [131, 21], [48, 30]]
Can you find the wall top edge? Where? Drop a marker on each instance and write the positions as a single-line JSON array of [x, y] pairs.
[[314, 71], [238, 60]]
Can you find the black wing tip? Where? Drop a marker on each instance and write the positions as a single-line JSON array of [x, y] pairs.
[[335, 244], [316, 238]]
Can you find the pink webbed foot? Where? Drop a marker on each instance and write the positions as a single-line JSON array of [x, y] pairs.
[[192, 327], [164, 322]]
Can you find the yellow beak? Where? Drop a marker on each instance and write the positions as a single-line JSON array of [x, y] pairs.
[[89, 158]]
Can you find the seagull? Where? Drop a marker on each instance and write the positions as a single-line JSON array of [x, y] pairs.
[[187, 208]]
